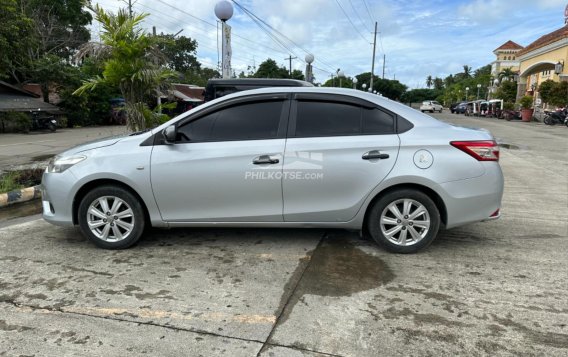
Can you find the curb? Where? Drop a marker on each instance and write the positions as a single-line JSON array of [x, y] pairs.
[[18, 196]]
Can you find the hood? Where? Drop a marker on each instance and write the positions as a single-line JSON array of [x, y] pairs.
[[95, 144]]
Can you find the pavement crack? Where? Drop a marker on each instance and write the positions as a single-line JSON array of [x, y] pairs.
[[114, 318], [288, 299]]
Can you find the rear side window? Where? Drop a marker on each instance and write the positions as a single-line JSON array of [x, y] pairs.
[[250, 121], [327, 119], [318, 118]]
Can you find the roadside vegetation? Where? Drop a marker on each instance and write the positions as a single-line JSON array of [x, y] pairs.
[[15, 180]]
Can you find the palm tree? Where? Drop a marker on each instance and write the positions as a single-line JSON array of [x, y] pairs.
[[131, 62], [506, 73], [429, 81], [466, 71]]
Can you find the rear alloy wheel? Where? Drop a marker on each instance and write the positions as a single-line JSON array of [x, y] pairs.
[[111, 217], [404, 221]]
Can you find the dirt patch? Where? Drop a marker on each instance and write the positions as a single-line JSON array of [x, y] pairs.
[[336, 268]]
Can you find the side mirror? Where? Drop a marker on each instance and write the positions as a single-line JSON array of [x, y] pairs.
[[170, 134]]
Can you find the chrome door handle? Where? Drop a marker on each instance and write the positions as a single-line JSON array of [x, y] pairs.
[[264, 159], [374, 155]]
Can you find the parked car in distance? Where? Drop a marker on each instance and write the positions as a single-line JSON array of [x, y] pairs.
[[431, 106], [217, 88], [461, 108], [282, 157]]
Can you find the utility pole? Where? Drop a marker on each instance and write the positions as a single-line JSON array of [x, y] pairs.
[[374, 49], [384, 61], [290, 59]]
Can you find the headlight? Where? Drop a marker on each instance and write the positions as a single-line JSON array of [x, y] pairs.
[[60, 164]]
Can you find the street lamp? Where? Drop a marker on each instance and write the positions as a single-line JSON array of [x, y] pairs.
[[466, 90], [370, 90], [364, 86], [374, 92], [340, 75], [309, 72], [355, 83], [224, 11], [478, 86]]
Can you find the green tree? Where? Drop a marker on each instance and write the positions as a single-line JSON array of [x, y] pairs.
[[179, 52], [131, 61], [507, 91], [506, 74], [297, 74], [270, 69], [60, 26], [546, 90], [438, 83], [466, 71], [16, 38], [429, 81]]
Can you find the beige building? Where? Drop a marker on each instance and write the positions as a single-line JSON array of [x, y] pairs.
[[506, 57], [542, 60]]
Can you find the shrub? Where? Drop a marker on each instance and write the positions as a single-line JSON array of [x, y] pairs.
[[526, 102], [15, 122]]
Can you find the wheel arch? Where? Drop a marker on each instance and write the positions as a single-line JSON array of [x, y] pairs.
[[434, 196], [87, 187]]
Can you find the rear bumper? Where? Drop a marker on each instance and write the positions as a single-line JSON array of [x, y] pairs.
[[476, 199]]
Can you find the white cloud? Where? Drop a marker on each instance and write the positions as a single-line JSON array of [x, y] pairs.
[[420, 38]]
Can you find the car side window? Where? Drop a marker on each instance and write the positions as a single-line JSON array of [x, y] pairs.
[[376, 121], [318, 118], [249, 121]]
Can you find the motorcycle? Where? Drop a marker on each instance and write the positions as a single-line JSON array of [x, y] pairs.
[[557, 117], [42, 123]]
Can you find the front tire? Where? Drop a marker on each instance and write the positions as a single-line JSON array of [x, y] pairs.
[[111, 217], [404, 221]]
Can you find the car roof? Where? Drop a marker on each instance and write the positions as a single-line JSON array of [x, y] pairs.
[[260, 82], [418, 118]]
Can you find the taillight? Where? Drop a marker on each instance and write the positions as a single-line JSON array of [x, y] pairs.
[[480, 150]]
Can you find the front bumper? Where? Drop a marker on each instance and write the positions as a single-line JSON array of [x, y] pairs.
[[57, 198]]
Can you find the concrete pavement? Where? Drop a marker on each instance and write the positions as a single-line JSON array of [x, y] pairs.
[[494, 288], [22, 149]]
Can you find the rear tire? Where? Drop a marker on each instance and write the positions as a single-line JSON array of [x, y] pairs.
[[111, 217], [51, 127], [404, 221]]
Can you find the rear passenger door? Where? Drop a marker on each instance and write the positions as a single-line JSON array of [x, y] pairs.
[[338, 149]]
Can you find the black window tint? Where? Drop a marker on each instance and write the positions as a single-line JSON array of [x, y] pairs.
[[327, 119], [376, 121], [241, 122]]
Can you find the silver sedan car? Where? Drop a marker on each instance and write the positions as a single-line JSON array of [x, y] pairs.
[[282, 157]]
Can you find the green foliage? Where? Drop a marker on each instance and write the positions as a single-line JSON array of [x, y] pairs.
[[155, 117], [199, 77], [16, 40], [131, 60], [554, 93], [270, 69], [420, 95], [179, 52], [507, 91], [508, 106], [15, 180], [429, 81], [9, 182], [15, 121], [526, 102]]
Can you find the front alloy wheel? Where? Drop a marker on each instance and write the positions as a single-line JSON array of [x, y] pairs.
[[404, 221], [111, 217]]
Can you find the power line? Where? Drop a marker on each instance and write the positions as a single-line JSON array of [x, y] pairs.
[[282, 39], [214, 25], [359, 16], [351, 22], [368, 12]]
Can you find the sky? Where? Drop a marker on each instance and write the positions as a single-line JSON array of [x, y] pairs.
[[418, 37]]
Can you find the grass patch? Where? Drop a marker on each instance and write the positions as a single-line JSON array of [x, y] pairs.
[[15, 180]]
